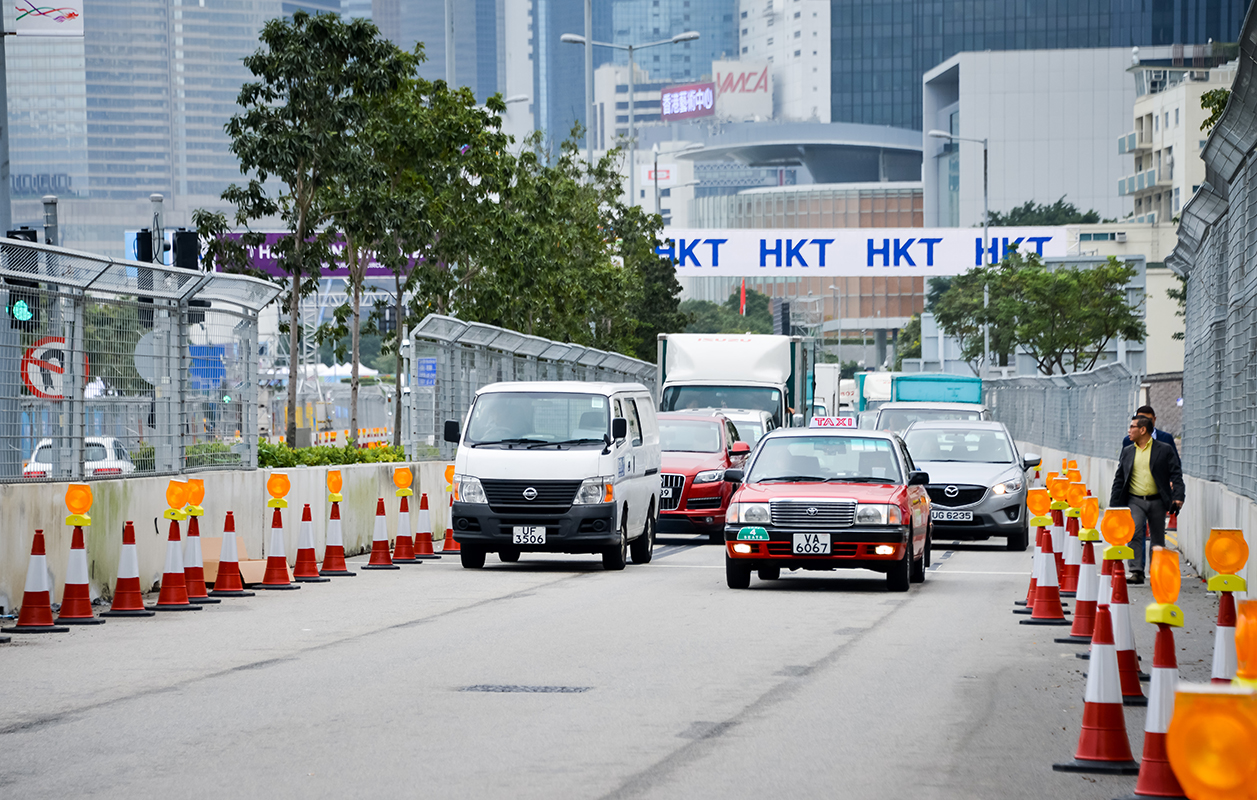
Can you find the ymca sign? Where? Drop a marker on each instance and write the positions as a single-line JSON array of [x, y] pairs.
[[849, 251], [744, 89]]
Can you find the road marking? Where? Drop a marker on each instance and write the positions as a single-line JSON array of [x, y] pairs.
[[689, 566], [978, 572]]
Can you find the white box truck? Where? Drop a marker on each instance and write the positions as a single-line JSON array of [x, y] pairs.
[[837, 395]]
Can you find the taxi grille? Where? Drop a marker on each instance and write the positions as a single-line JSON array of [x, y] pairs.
[[508, 496], [965, 495], [802, 514], [676, 483], [787, 548]]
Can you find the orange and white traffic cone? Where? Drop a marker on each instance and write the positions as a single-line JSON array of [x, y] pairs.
[[380, 556], [404, 542], [1225, 656], [276, 576], [36, 613], [1103, 594], [76, 597], [1127, 658], [1156, 777], [194, 564], [306, 570], [1073, 557], [334, 550], [1035, 563], [229, 582], [423, 538], [1084, 599], [1047, 601], [128, 595], [174, 585], [1058, 541], [1103, 745], [1171, 522], [451, 544]]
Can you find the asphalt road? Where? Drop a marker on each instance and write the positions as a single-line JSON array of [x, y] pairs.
[[551, 678]]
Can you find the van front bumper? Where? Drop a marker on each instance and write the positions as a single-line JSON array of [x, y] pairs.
[[580, 529]]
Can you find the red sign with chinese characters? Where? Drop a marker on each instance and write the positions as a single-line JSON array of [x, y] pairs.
[[688, 101]]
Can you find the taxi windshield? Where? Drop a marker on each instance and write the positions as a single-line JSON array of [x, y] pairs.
[[839, 459]]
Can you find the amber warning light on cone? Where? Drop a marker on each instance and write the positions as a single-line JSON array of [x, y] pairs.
[[1227, 552], [176, 498], [277, 486], [78, 499], [1075, 494], [1058, 487], [1089, 516], [402, 479], [1166, 580], [1040, 504], [1246, 644], [196, 494], [334, 484], [1211, 741], [1118, 528]]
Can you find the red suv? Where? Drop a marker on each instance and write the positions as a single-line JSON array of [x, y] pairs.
[[694, 494], [829, 498]]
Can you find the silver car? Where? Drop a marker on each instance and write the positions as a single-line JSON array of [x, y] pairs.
[[898, 416], [977, 479]]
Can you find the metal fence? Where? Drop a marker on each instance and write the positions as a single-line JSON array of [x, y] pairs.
[[324, 409], [447, 360], [1085, 413], [111, 367], [1217, 253]]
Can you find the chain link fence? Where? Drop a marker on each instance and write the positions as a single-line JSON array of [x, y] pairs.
[[325, 410], [1084, 413], [110, 368], [448, 360]]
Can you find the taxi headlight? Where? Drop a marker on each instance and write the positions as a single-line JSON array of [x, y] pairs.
[[877, 514], [746, 513]]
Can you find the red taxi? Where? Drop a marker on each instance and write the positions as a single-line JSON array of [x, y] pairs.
[[828, 498], [693, 492]]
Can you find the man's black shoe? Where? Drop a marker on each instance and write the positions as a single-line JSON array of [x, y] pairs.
[[1136, 576]]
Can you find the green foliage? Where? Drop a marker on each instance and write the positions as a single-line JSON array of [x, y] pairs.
[[282, 456], [1179, 296], [707, 317], [1030, 213], [1063, 317], [935, 289], [1213, 101], [909, 341]]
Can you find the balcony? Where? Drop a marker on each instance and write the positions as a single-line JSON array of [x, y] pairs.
[[1149, 218], [1133, 143], [1145, 181]]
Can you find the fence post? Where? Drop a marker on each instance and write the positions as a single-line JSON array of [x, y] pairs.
[[74, 381]]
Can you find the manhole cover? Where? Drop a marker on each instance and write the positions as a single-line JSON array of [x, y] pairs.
[[501, 687]]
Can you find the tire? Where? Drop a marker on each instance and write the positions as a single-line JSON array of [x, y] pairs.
[[897, 577], [1019, 541], [616, 556], [471, 557], [769, 573], [642, 549], [737, 576], [916, 574], [508, 556]]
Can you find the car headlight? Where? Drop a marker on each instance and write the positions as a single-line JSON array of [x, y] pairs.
[[710, 476], [468, 490], [1007, 487], [877, 514], [595, 490], [748, 513]]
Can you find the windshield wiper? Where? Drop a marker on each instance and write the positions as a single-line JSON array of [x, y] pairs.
[[791, 479], [861, 479], [511, 441], [566, 441]]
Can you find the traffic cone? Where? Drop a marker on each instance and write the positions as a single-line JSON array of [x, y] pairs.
[[1127, 659], [229, 583], [1225, 656], [1028, 603], [76, 597], [334, 550], [1102, 744], [128, 595], [194, 565], [276, 576], [1171, 522], [380, 558], [1073, 558], [36, 613], [1085, 599], [451, 544], [1047, 601], [1156, 777], [1058, 540], [174, 586], [306, 570], [1104, 593], [423, 539], [404, 543]]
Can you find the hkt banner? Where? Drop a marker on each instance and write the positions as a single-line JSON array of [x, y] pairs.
[[848, 251]]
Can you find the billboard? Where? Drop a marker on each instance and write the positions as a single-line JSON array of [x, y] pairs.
[[665, 173], [744, 89], [688, 101], [34, 19]]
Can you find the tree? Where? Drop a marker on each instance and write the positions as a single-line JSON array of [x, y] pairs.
[[1213, 101], [707, 317], [909, 341], [1059, 213], [316, 77], [936, 289], [1179, 296]]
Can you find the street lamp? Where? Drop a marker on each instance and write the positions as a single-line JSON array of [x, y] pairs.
[[573, 38], [986, 255], [654, 149]]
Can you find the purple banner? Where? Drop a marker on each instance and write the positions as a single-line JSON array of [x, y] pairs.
[[266, 259]]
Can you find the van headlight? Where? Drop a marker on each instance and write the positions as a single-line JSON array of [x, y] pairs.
[[1007, 487], [747, 513], [710, 476], [877, 514], [595, 490], [467, 489]]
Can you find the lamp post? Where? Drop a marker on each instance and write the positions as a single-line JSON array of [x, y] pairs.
[[573, 38], [986, 253]]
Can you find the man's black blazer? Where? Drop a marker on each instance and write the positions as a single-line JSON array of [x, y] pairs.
[[1167, 471]]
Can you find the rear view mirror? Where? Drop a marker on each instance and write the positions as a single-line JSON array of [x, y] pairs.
[[918, 478], [797, 420], [740, 448], [1031, 460], [733, 475], [451, 431], [619, 428]]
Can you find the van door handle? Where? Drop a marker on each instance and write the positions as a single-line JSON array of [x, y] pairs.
[[653, 471]]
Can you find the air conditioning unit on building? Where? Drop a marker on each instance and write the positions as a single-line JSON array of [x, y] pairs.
[[1121, 236]]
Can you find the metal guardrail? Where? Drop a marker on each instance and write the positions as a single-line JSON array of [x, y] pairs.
[[112, 367]]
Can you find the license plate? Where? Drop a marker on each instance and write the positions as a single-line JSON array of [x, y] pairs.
[[665, 493], [811, 544], [940, 515], [529, 534]]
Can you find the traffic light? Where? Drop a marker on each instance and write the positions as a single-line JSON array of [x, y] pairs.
[[187, 250], [22, 299]]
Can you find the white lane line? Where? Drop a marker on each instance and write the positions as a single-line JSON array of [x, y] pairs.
[[976, 572], [687, 566]]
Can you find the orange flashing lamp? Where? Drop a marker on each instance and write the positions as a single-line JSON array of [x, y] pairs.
[[1040, 503], [1089, 517], [176, 498], [1075, 494], [1246, 644], [402, 478], [1227, 552], [1166, 580], [78, 499], [334, 484], [1212, 739], [278, 487], [1059, 488], [1118, 528], [1074, 475], [196, 493]]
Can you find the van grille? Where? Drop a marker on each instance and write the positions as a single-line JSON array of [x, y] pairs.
[[676, 483], [805, 514], [508, 496]]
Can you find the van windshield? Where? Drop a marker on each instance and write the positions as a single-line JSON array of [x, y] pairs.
[[523, 419], [760, 398]]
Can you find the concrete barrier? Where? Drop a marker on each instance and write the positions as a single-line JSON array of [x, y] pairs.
[[26, 507]]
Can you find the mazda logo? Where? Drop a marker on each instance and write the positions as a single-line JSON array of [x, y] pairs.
[[811, 512], [530, 493], [951, 491]]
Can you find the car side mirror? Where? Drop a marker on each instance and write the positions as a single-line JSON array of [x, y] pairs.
[[740, 448], [734, 475], [918, 477], [1031, 460], [619, 428], [797, 420], [451, 431]]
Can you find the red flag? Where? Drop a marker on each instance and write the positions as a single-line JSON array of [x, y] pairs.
[[743, 297]]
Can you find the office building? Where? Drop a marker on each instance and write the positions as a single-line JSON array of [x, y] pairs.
[[794, 38], [640, 22]]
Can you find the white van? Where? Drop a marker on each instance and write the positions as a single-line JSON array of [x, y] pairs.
[[557, 467]]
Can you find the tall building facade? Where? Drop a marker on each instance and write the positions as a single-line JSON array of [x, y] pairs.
[[639, 22], [794, 38], [882, 48]]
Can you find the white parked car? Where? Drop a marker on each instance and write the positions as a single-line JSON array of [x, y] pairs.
[[102, 455]]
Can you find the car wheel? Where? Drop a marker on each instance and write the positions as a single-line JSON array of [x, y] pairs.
[[471, 557], [917, 570], [1019, 540], [508, 556], [769, 573], [897, 576], [642, 549], [616, 556], [737, 576]]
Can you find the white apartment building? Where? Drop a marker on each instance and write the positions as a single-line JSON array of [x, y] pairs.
[[611, 103], [794, 36]]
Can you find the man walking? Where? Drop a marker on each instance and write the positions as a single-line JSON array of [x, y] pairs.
[[1149, 481], [1157, 433]]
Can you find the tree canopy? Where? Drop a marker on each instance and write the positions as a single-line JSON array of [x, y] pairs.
[[1031, 213], [708, 317]]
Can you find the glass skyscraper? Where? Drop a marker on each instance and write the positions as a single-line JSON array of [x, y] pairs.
[[644, 21], [882, 48]]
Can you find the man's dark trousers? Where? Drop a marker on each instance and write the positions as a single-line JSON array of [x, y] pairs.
[[1149, 515]]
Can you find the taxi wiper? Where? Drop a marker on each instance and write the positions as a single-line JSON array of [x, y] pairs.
[[792, 479], [511, 441], [565, 441]]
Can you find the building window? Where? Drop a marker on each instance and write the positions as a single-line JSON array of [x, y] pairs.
[[1167, 120], [743, 49], [1177, 199], [665, 192], [797, 13], [1156, 118], [743, 13], [770, 40], [744, 31], [1176, 117], [797, 34]]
